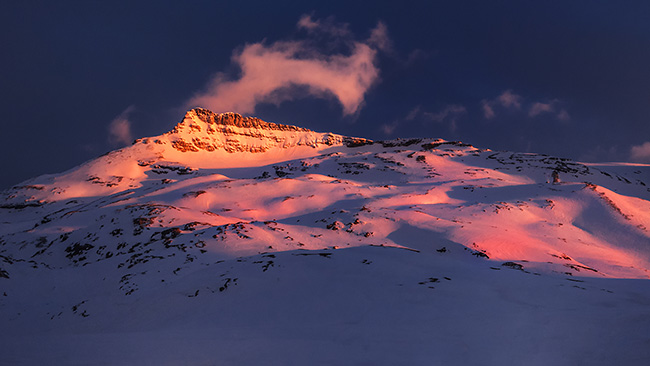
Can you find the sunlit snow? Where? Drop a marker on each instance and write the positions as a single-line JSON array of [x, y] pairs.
[[230, 240]]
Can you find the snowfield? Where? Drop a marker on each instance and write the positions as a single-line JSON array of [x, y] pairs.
[[233, 241]]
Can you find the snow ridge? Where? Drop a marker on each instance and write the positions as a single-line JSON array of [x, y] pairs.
[[284, 236]]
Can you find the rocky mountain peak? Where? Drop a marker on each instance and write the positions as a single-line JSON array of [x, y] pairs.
[[202, 129], [198, 119]]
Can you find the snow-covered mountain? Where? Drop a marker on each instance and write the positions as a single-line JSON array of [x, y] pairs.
[[230, 240]]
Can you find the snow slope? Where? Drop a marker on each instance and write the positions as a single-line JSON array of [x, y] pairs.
[[230, 240]]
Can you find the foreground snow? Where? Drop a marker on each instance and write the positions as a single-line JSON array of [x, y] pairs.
[[365, 305], [234, 241]]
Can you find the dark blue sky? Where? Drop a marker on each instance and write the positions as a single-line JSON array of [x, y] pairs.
[[573, 76]]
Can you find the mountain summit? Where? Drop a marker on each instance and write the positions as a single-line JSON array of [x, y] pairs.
[[230, 240], [202, 129], [202, 140]]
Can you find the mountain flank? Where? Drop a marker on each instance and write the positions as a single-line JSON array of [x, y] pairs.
[[230, 240]]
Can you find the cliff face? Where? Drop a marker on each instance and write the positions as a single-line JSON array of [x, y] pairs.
[[204, 130], [235, 120]]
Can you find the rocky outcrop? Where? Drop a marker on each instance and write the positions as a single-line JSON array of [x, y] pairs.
[[203, 130], [215, 120]]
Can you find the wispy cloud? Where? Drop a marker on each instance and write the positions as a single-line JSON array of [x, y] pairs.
[[552, 107], [379, 38], [119, 130], [389, 128], [508, 100], [327, 25], [488, 111], [641, 153], [415, 56], [412, 114], [271, 73], [449, 116], [538, 108], [563, 115]]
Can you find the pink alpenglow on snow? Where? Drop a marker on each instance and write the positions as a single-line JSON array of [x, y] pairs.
[[231, 240]]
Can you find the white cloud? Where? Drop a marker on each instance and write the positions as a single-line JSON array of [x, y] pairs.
[[488, 111], [508, 99], [271, 73], [641, 153], [538, 108], [551, 107], [119, 130], [389, 128], [564, 116], [512, 101]]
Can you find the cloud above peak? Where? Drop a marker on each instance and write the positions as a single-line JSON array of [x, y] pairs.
[[448, 116], [641, 153], [507, 100], [327, 26], [538, 108], [551, 107], [514, 102], [119, 130], [379, 38], [284, 70]]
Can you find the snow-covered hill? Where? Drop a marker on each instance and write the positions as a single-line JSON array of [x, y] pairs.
[[230, 240]]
